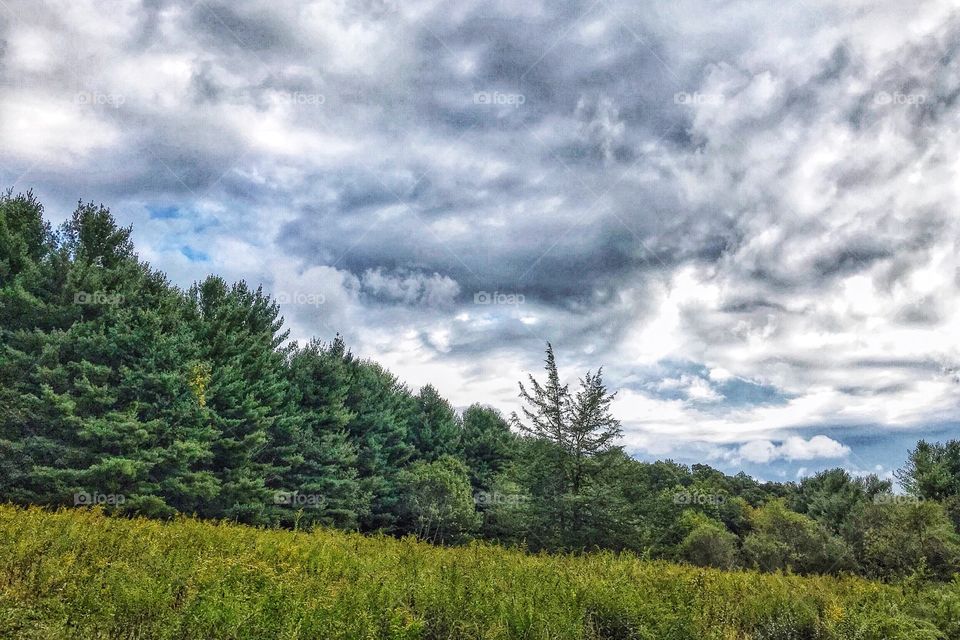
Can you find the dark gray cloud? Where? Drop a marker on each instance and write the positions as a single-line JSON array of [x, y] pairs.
[[766, 199]]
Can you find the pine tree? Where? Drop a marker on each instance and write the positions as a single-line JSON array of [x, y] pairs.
[[156, 380], [488, 445], [592, 429], [240, 334], [27, 251], [435, 427], [572, 434], [114, 420], [325, 463], [381, 409], [76, 372], [27, 255], [549, 405]]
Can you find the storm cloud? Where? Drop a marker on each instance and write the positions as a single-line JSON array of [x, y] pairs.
[[748, 216]]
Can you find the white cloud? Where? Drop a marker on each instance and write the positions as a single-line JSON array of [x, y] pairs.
[[695, 388], [432, 290], [788, 231], [791, 449]]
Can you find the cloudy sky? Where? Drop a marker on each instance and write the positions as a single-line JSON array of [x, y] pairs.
[[748, 217]]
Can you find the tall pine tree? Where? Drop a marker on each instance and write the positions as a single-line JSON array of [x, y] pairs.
[[572, 434], [324, 465], [246, 399], [381, 409]]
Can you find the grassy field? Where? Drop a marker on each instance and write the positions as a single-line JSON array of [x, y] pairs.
[[79, 574]]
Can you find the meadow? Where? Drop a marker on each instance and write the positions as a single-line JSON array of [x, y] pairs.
[[78, 573]]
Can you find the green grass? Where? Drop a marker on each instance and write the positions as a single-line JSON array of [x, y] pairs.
[[80, 574]]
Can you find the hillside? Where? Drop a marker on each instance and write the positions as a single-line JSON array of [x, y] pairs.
[[79, 573]]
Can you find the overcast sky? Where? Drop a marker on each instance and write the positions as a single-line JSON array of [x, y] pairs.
[[748, 217]]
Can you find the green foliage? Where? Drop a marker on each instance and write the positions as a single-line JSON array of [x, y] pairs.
[[897, 538], [708, 543], [438, 500], [831, 497], [84, 575], [573, 434], [381, 408], [932, 471], [99, 404], [487, 444], [118, 388], [434, 427], [247, 401], [785, 540], [325, 459], [506, 510]]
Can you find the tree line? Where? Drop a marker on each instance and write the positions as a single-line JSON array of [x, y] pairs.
[[119, 389]]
